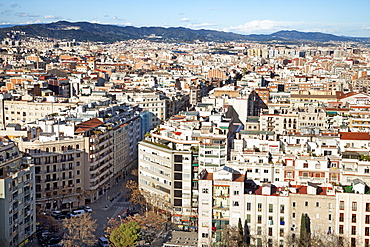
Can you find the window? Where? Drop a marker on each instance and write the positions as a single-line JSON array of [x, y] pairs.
[[341, 229], [205, 190], [293, 215], [259, 207], [294, 205], [259, 230], [270, 231], [305, 165], [367, 219], [305, 174], [236, 192], [329, 217], [282, 209], [204, 235], [259, 219], [306, 204], [271, 208], [354, 206], [317, 204], [248, 218], [282, 221], [367, 207], [367, 231], [367, 170], [353, 218], [341, 205], [265, 171], [341, 217], [353, 230], [248, 206], [236, 203], [277, 171]]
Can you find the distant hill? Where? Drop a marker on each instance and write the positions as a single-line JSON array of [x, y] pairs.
[[85, 31]]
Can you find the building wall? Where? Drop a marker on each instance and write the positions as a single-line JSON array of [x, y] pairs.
[[60, 172], [17, 198]]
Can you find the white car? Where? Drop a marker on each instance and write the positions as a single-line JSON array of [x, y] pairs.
[[87, 208]]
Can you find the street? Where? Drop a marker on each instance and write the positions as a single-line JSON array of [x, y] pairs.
[[108, 207]]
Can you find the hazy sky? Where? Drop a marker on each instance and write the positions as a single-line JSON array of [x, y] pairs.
[[340, 17]]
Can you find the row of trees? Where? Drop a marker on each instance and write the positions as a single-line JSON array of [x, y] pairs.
[[76, 231], [128, 231]]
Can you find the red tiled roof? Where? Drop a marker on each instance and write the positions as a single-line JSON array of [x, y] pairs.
[[238, 178], [92, 123], [354, 136]]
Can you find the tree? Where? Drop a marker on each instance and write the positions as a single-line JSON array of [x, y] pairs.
[[305, 231], [321, 239], [247, 234], [79, 231], [136, 195], [47, 222], [152, 221], [126, 235], [229, 236], [241, 234]]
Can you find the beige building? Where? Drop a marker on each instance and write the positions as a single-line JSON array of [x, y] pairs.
[[17, 111], [60, 168]]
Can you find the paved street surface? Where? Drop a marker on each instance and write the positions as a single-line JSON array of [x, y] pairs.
[[110, 206]]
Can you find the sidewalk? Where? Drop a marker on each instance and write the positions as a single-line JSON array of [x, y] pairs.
[[114, 193]]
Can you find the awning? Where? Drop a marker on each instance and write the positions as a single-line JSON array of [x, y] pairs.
[[68, 200]]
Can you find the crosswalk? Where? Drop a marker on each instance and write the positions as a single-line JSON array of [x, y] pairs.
[[118, 211], [122, 203]]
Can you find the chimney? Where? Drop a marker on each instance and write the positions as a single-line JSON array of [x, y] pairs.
[[266, 189]]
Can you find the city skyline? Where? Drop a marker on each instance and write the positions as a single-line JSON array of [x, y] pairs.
[[346, 18]]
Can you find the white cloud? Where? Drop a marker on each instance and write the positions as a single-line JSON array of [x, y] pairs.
[[117, 18], [26, 15], [185, 20], [52, 17], [262, 26], [14, 5], [201, 25]]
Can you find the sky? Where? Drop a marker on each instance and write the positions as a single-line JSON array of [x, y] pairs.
[[339, 17]]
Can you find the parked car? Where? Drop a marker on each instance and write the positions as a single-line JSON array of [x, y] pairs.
[[103, 242], [55, 213], [77, 213], [60, 217], [87, 208]]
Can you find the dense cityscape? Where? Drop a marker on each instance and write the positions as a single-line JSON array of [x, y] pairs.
[[143, 143]]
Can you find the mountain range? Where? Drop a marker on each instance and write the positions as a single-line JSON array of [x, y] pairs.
[[85, 31]]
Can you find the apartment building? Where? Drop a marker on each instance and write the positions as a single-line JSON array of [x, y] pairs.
[[60, 170], [272, 212], [167, 175], [125, 139], [225, 196], [78, 161], [153, 102], [17, 196], [28, 109]]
